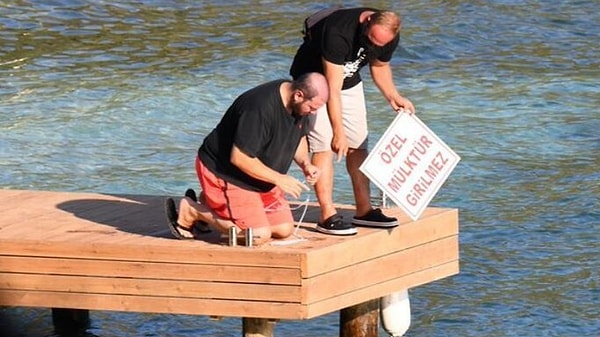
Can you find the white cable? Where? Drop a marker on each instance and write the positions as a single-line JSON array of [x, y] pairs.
[[299, 222]]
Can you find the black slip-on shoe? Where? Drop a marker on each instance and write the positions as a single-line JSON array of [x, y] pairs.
[[375, 218], [335, 225]]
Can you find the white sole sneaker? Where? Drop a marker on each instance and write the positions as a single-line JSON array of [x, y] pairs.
[[348, 231], [366, 223], [335, 225]]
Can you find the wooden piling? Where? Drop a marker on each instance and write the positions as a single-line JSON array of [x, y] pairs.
[[70, 321], [257, 327], [360, 320]]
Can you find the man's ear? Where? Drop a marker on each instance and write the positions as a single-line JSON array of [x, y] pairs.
[[298, 96]]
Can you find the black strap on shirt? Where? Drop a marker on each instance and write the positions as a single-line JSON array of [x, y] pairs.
[[313, 19]]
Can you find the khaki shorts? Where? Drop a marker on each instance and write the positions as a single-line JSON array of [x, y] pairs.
[[354, 118], [247, 209]]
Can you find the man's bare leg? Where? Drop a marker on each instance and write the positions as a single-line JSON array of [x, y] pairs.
[[365, 214], [324, 185], [360, 182], [191, 211]]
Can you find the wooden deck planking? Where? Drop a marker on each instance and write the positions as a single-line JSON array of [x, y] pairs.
[[148, 250], [365, 294], [14, 199], [150, 287], [150, 270], [387, 241], [356, 276], [166, 305], [75, 248]]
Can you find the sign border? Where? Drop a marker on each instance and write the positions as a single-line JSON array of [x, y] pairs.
[[398, 120]]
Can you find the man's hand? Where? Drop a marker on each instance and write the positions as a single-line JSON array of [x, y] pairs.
[[339, 145], [312, 174], [400, 103], [292, 186]]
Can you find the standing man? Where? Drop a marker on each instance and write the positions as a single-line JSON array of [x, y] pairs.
[[338, 46], [242, 164]]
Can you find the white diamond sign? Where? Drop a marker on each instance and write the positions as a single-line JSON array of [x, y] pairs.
[[410, 164]]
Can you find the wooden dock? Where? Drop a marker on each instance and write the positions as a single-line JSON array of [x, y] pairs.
[[114, 252]]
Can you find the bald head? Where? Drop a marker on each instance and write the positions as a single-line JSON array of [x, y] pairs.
[[309, 93], [388, 20], [382, 27], [312, 85]]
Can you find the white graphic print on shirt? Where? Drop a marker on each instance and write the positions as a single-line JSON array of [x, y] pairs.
[[352, 67]]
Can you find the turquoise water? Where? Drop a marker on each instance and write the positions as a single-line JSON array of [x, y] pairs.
[[115, 98]]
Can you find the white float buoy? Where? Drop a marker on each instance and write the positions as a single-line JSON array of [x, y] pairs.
[[395, 313]]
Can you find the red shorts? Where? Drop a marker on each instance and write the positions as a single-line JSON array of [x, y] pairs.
[[247, 209]]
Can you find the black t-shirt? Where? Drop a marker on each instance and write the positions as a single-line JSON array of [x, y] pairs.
[[340, 39], [260, 126]]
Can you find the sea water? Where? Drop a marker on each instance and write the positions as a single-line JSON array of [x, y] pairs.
[[115, 97]]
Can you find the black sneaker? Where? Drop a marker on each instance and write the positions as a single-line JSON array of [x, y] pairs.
[[375, 218], [335, 225]]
